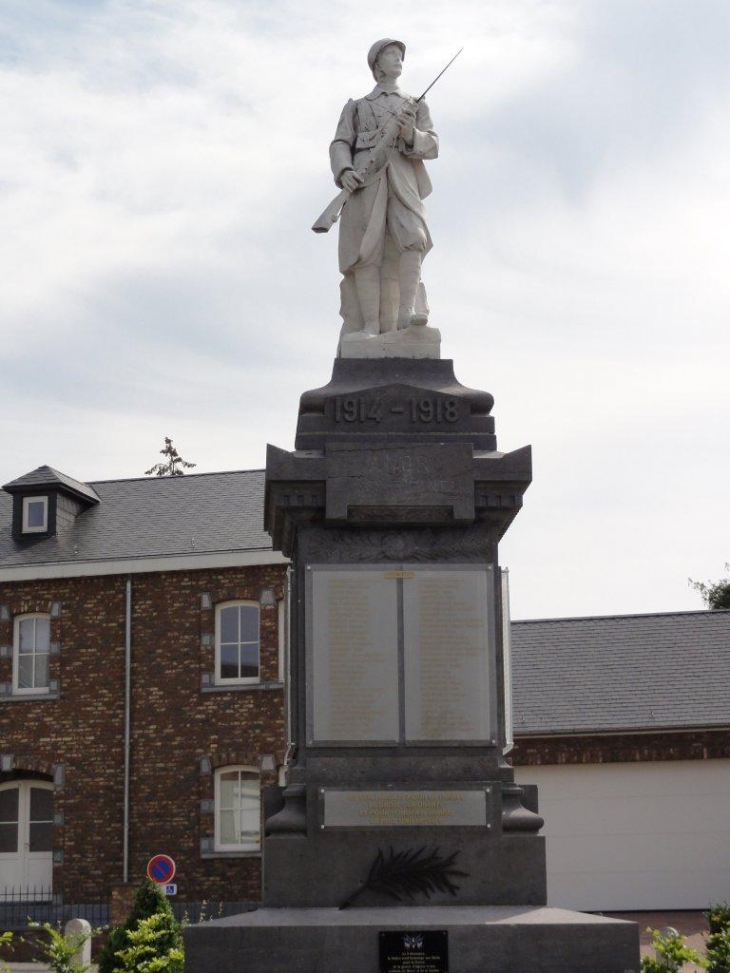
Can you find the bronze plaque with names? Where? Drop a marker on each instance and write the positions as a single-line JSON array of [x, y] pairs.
[[386, 808]]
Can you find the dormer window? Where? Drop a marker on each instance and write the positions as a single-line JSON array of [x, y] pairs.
[[46, 503], [35, 515]]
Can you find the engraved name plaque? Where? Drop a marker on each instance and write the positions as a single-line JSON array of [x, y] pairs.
[[404, 809], [446, 649], [354, 657], [399, 654]]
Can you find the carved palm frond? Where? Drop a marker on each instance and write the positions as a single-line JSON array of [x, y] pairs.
[[408, 873]]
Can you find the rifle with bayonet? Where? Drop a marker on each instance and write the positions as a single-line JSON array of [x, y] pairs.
[[374, 159]]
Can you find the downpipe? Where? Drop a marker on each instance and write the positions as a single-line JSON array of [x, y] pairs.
[[127, 725]]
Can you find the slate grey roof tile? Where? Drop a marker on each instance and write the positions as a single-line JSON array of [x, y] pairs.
[[45, 477], [621, 673], [151, 517]]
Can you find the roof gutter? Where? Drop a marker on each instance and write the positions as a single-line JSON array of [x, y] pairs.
[[629, 731], [140, 565]]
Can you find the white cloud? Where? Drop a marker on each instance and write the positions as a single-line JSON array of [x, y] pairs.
[[162, 162]]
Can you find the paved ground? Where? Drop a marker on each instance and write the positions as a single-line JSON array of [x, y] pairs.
[[32, 968], [692, 925]]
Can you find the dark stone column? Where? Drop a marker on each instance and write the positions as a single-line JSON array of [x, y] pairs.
[[396, 467]]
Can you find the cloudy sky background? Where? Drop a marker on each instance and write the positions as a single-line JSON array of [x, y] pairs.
[[161, 164]]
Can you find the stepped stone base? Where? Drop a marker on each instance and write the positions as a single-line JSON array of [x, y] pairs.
[[481, 939]]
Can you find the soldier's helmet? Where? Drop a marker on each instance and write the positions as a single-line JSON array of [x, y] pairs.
[[378, 47]]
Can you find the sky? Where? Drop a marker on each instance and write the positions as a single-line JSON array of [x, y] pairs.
[[161, 164]]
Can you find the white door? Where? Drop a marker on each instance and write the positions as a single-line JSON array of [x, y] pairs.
[[26, 839], [635, 836]]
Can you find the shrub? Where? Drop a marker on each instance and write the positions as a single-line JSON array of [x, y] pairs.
[[59, 950], [672, 953], [164, 936], [6, 939], [147, 951], [718, 917], [718, 941]]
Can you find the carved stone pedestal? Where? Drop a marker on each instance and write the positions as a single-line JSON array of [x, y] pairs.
[[391, 507]]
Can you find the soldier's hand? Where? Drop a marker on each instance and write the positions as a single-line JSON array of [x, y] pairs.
[[407, 118], [351, 180]]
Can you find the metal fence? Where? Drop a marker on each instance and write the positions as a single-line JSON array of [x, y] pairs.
[[21, 906]]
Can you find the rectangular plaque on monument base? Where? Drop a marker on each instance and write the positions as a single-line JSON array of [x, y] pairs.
[[403, 808], [425, 951]]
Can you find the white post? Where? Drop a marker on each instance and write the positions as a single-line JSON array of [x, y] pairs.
[[80, 927]]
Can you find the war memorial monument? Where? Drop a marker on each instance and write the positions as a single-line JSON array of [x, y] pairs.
[[400, 841]]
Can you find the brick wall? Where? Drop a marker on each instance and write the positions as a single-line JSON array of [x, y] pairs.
[[690, 745], [175, 724]]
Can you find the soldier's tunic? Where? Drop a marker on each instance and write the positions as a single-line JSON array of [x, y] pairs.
[[390, 200]]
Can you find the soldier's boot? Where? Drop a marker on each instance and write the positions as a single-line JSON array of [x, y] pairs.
[[367, 282], [410, 278]]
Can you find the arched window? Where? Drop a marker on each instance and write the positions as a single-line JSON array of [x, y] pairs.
[[237, 809], [237, 642], [31, 651]]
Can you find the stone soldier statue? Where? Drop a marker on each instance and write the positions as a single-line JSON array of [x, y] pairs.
[[383, 231]]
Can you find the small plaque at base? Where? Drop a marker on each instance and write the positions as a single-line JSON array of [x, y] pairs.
[[424, 951]]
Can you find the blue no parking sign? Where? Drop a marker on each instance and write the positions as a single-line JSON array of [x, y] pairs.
[[161, 869]]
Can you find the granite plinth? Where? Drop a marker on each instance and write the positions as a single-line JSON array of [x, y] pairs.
[[508, 939], [322, 869], [395, 400]]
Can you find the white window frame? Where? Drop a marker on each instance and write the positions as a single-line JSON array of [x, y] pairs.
[[243, 846], [220, 680], [26, 528], [20, 869], [29, 690]]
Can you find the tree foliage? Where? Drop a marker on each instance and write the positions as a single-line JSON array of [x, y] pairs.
[[671, 953], [174, 464], [6, 939], [715, 594], [148, 949], [58, 950], [159, 944], [718, 941]]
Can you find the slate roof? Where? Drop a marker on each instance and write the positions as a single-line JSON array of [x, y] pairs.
[[621, 673], [151, 517], [45, 477]]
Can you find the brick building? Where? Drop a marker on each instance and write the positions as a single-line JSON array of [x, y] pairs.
[[142, 707], [141, 682]]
